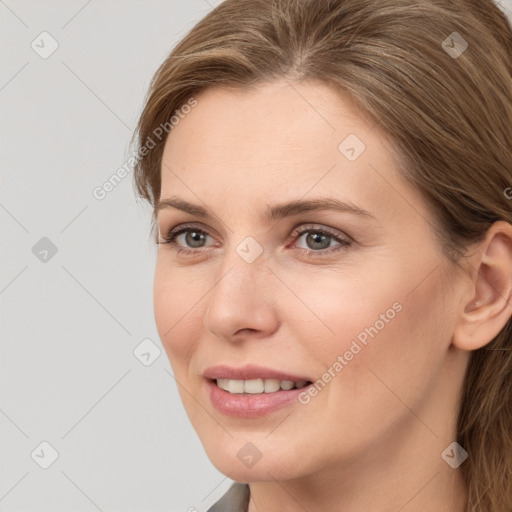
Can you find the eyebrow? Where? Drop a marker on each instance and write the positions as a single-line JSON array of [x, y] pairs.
[[274, 212]]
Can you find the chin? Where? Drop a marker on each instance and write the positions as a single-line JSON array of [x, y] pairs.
[[240, 460]]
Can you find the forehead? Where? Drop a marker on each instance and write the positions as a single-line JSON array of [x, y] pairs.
[[285, 116], [279, 140]]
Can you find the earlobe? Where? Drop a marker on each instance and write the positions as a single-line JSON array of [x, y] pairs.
[[489, 307]]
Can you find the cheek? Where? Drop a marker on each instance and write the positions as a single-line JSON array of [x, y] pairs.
[[342, 311], [398, 361], [174, 302], [381, 321]]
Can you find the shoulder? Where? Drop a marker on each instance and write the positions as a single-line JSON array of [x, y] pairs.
[[235, 499]]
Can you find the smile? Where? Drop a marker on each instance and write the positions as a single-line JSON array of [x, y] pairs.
[[255, 386]]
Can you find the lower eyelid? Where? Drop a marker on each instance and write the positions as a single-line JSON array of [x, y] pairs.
[[342, 241]]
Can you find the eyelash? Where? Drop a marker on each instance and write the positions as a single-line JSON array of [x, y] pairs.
[[169, 239]]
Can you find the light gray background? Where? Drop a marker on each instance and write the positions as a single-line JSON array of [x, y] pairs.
[[70, 324]]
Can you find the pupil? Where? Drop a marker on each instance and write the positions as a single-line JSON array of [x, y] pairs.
[[317, 238], [192, 235]]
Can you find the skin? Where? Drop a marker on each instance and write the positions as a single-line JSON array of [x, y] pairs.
[[372, 438]]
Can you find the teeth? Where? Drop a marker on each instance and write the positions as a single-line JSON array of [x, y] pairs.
[[271, 385], [254, 386], [235, 386], [287, 384]]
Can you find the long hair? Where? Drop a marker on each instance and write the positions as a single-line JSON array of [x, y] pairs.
[[437, 76]]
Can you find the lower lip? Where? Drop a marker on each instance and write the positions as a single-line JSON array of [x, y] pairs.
[[250, 405]]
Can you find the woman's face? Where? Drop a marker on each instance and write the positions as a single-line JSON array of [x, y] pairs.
[[366, 316]]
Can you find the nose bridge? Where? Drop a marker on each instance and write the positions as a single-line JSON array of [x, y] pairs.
[[244, 259], [241, 272], [241, 296]]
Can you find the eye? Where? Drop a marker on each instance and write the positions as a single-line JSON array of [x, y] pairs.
[[321, 237], [317, 240], [193, 236]]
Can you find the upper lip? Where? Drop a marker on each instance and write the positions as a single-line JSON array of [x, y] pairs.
[[249, 372]]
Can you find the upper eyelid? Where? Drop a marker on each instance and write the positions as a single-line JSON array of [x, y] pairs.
[[297, 230]]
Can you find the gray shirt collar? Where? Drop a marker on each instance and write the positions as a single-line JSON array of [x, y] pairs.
[[236, 499]]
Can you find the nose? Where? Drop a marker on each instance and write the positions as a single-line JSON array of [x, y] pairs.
[[241, 303]]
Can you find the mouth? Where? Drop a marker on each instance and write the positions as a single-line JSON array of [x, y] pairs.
[[258, 386], [251, 391]]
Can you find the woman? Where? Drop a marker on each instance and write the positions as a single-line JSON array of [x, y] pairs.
[[331, 187]]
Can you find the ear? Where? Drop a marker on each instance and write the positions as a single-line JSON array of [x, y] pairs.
[[487, 305]]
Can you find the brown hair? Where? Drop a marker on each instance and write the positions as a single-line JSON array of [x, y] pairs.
[[448, 113]]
